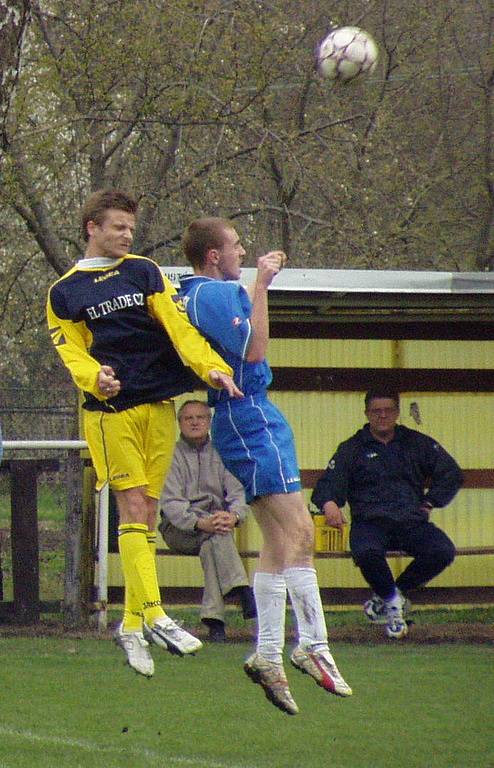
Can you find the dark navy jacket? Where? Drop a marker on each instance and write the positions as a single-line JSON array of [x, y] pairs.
[[389, 480]]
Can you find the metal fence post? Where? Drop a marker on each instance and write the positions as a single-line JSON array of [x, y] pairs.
[[103, 512]]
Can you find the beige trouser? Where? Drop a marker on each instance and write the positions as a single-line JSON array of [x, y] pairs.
[[222, 566]]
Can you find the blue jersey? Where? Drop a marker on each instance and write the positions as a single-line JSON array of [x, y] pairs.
[[251, 435], [221, 310]]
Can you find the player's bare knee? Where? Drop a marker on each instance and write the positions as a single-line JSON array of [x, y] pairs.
[[302, 538], [132, 506]]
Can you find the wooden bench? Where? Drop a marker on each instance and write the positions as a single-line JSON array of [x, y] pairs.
[[254, 553], [352, 596]]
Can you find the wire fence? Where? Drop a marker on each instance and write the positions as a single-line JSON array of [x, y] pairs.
[[28, 413]]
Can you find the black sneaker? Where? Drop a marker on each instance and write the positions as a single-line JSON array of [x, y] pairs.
[[217, 632]]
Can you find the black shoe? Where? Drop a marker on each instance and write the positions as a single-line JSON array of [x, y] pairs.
[[217, 632], [249, 610], [247, 602], [217, 635]]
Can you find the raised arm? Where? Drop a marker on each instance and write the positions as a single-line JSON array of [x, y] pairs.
[[268, 266]]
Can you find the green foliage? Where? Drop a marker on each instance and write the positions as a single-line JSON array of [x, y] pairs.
[[51, 517], [215, 107]]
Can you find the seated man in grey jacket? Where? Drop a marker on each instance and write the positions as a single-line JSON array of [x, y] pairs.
[[200, 506]]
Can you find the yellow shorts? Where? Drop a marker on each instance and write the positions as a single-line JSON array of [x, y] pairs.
[[132, 448]]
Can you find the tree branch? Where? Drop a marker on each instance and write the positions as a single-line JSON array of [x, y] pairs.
[[38, 219]]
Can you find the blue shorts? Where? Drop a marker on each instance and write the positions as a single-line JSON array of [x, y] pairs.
[[256, 445]]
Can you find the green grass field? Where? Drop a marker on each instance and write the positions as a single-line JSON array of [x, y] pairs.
[[67, 703], [72, 703]]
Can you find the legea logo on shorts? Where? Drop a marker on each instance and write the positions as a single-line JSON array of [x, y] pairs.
[[120, 476], [292, 479]]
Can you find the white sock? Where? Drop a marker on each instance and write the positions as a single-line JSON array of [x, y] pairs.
[[395, 601], [306, 602], [270, 596]]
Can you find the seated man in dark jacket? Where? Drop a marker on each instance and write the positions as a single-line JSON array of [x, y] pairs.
[[392, 478], [200, 505]]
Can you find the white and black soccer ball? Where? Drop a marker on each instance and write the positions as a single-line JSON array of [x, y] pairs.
[[346, 53]]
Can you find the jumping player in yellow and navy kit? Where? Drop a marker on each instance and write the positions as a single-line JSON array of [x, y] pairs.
[[122, 332], [256, 445]]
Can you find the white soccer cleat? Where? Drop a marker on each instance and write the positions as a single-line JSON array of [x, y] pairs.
[[272, 678], [396, 626], [321, 666], [169, 635], [376, 610], [136, 648]]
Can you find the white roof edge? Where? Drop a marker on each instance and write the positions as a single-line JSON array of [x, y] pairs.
[[364, 280]]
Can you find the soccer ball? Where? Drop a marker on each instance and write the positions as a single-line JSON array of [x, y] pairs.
[[346, 53]]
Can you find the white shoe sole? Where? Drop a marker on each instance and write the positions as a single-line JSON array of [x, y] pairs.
[[159, 637], [145, 670]]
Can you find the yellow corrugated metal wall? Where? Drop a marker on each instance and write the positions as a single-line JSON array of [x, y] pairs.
[[462, 422]]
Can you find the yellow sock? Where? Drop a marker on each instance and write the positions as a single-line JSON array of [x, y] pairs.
[[151, 537], [132, 615], [139, 569]]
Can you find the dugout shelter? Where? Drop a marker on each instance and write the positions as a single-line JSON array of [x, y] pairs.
[[335, 334]]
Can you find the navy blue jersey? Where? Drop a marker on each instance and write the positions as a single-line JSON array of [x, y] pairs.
[[128, 316], [389, 479]]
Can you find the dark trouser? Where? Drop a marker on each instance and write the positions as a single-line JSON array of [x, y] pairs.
[[431, 549]]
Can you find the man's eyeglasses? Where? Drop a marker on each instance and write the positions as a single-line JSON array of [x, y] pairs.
[[382, 411]]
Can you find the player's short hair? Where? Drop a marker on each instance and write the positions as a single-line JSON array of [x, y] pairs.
[[193, 402], [201, 235], [100, 202], [377, 393]]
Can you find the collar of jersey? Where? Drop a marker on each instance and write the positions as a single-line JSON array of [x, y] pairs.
[[98, 262], [186, 278]]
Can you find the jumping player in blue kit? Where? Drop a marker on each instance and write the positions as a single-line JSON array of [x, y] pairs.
[[256, 445]]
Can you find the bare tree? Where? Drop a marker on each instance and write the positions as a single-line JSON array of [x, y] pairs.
[[214, 107], [14, 20]]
